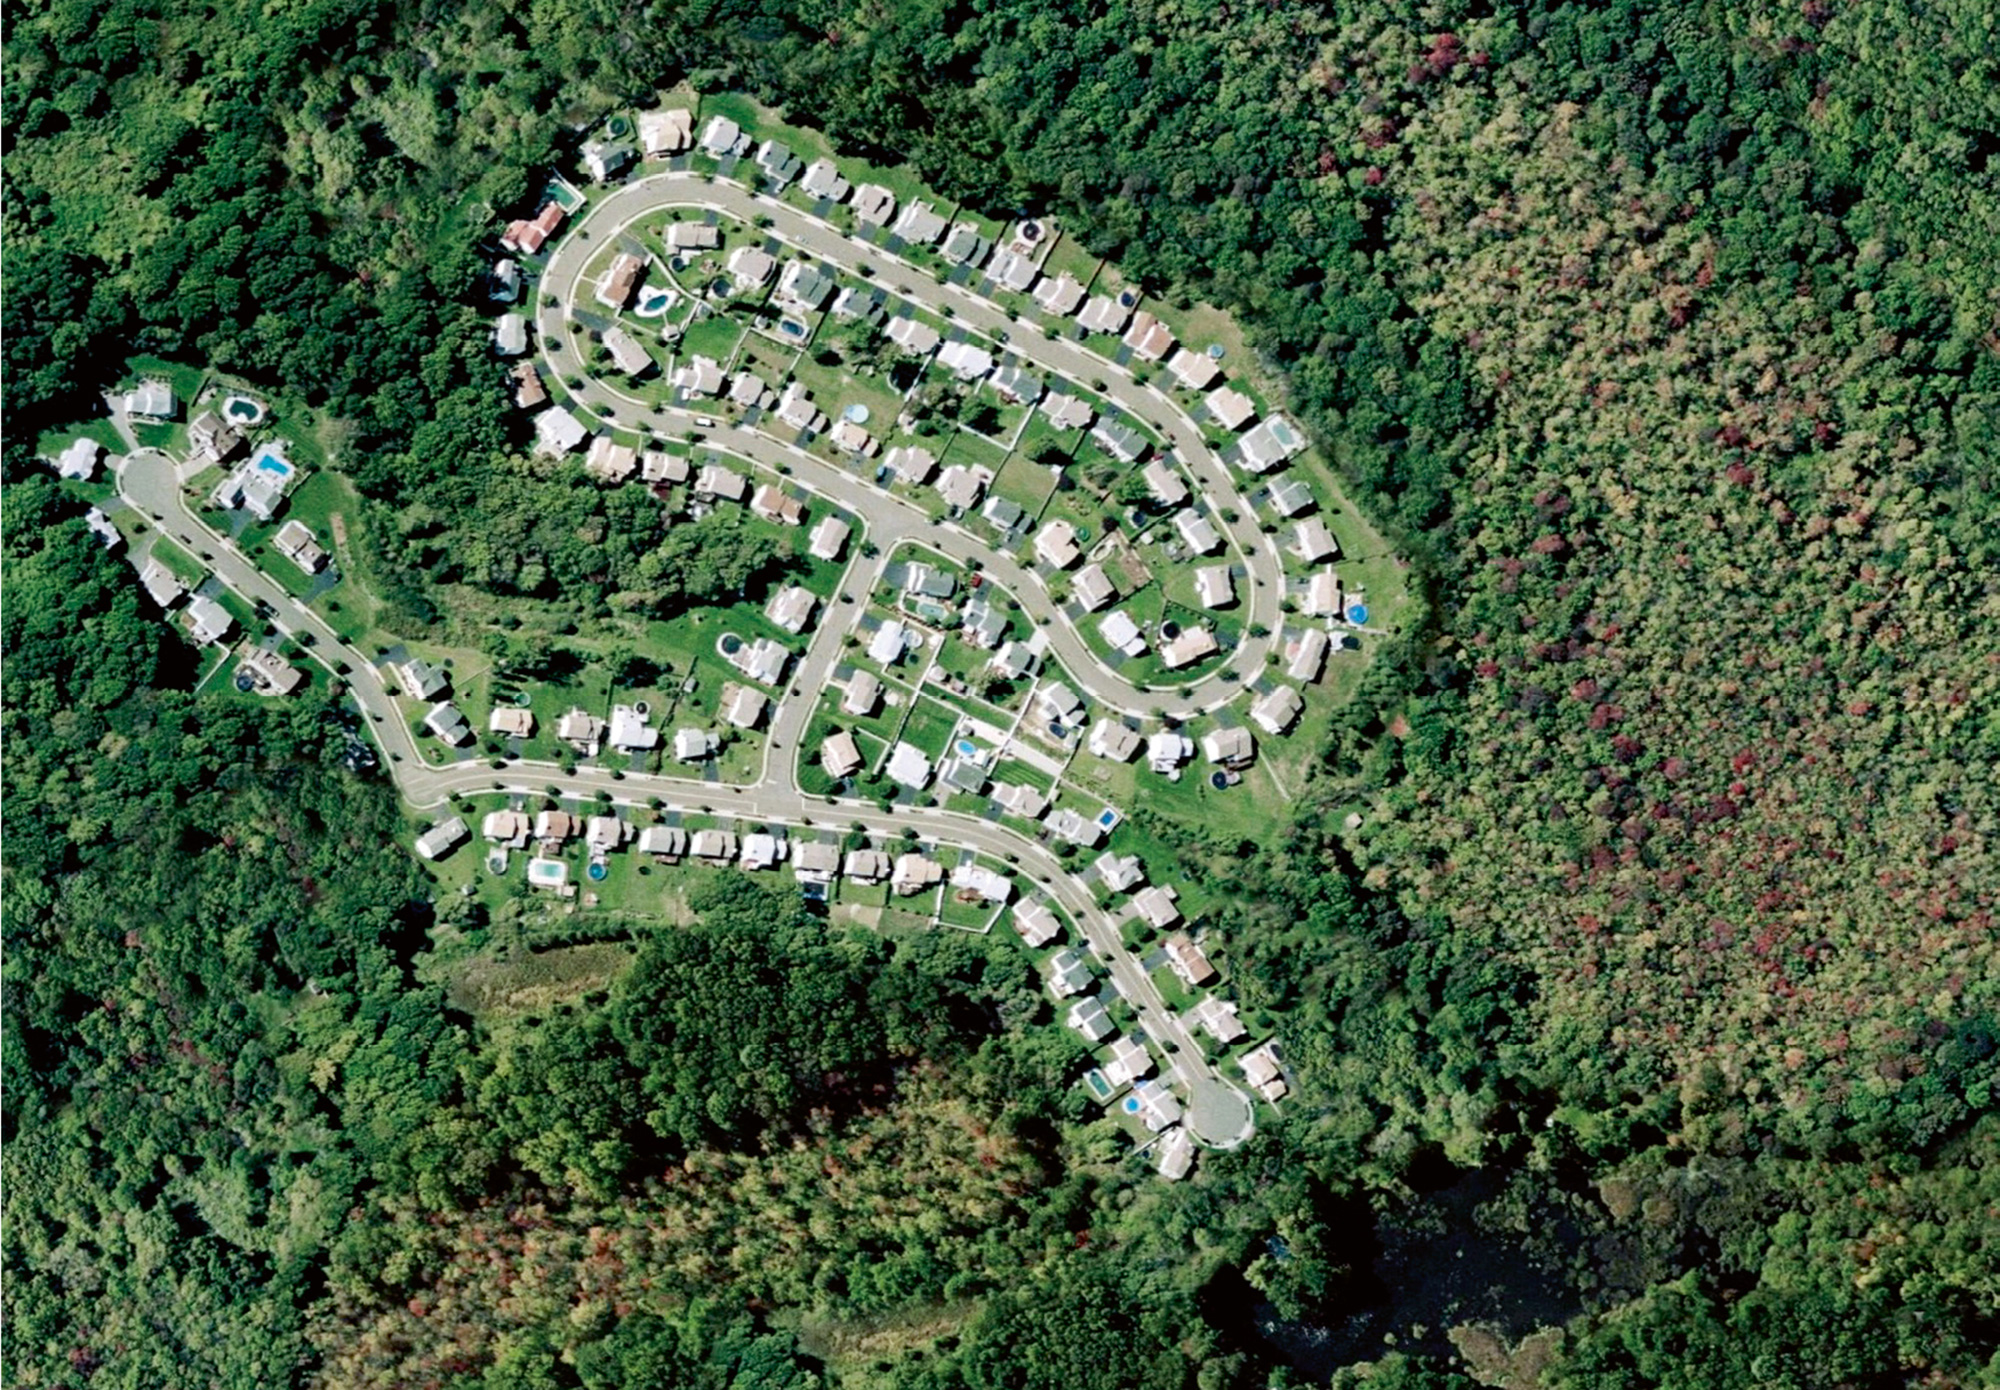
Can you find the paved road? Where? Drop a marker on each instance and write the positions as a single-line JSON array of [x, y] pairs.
[[148, 481], [891, 518]]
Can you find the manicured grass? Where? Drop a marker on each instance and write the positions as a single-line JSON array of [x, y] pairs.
[[714, 337], [103, 431], [929, 726]]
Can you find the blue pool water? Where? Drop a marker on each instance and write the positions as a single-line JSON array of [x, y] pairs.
[[856, 414], [597, 872], [1132, 1106], [1357, 613], [1107, 818], [967, 748], [271, 463], [791, 328]]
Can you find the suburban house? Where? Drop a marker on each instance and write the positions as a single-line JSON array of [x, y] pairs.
[[815, 861], [152, 399], [913, 335], [1197, 532], [1012, 660], [887, 645], [1157, 1107], [609, 460], [1322, 595], [1196, 371], [528, 389], [1067, 412], [1129, 1061], [773, 504], [744, 705], [1104, 313], [982, 625], [722, 138], [419, 680], [509, 828], [1305, 655], [605, 160], [1120, 441], [510, 335], [212, 439], [965, 245], [1055, 545], [582, 731], [161, 584], [1183, 955], [527, 236], [295, 542], [914, 872], [1036, 922], [1272, 442], [1176, 1154], [694, 745], [762, 660], [1216, 1016], [208, 621], [991, 885], [102, 527], [554, 828], [1148, 337], [1076, 828], [792, 608], [1263, 1071], [1277, 710], [1169, 489], [447, 724], [1123, 635], [717, 846], [442, 838], [1167, 750], [557, 432], [909, 767], [851, 438], [1057, 703], [778, 162], [511, 722], [667, 842], [1090, 1018], [866, 865], [1290, 496], [258, 484], [1230, 408], [615, 290], [963, 775], [1194, 644], [1155, 907], [1233, 748], [659, 466], [874, 205], [693, 236], [763, 850], [853, 303], [626, 353], [1019, 799], [804, 285], [1002, 513], [919, 224], [503, 282], [750, 267], [270, 673], [698, 376], [630, 733], [1068, 973], [911, 463], [1059, 296], [1313, 542], [840, 755], [1092, 588], [1111, 739], [664, 133], [962, 487], [822, 182], [1214, 586], [721, 483], [796, 408], [1011, 270], [1018, 385], [748, 390], [829, 538], [1119, 875], [604, 833], [966, 361]]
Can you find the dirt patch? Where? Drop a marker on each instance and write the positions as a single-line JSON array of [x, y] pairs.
[[483, 985]]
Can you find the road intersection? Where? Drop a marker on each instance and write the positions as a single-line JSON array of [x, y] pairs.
[[150, 482]]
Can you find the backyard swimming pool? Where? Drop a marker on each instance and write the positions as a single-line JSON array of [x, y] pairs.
[[242, 410], [1357, 613]]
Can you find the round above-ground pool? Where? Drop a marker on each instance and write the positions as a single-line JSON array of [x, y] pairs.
[[1215, 351], [245, 682], [729, 644], [597, 871], [856, 414], [1357, 613], [241, 410], [1219, 780], [1170, 630]]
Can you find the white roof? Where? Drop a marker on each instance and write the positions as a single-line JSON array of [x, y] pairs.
[[1275, 712], [557, 431], [829, 538], [1194, 370], [1164, 481], [629, 730], [720, 136], [1306, 657], [1122, 633], [792, 608], [1191, 646], [822, 180], [1037, 924], [1231, 408], [1322, 598], [1197, 532], [966, 359], [1167, 750], [1119, 875], [1110, 739], [990, 884], [693, 745], [1093, 587], [888, 643], [1103, 314], [1313, 542], [1060, 295], [909, 767], [919, 222], [913, 334], [1215, 586]]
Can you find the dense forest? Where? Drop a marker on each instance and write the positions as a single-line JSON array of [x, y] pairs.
[[1634, 940]]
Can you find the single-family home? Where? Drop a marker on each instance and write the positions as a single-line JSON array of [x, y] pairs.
[[1120, 875], [966, 775], [1165, 482], [1216, 1016], [695, 745], [510, 335], [1111, 739], [1036, 922], [693, 236], [509, 828], [866, 865], [152, 399], [850, 438], [270, 673], [1148, 337], [582, 731], [965, 245], [1018, 385], [1263, 1071], [1122, 633], [716, 846], [1090, 1018], [665, 133], [804, 285], [602, 834], [762, 850], [1197, 532], [722, 137], [747, 389], [1192, 645], [773, 503], [1167, 750], [724, 484], [750, 267], [743, 705], [657, 466], [557, 432], [626, 353], [1214, 586], [1230, 408], [1120, 441], [1313, 542], [829, 538], [982, 625], [1305, 655], [1011, 270], [1092, 588], [1277, 709], [1130, 1060], [1075, 828], [698, 376], [911, 463], [668, 842], [822, 182], [630, 733], [815, 861], [853, 303], [861, 694], [447, 724], [1055, 545], [1290, 496], [928, 581], [962, 487], [762, 660], [1155, 906], [442, 838], [1012, 660], [1274, 440], [609, 460], [511, 721], [527, 236], [295, 541], [605, 160], [615, 290], [1067, 412], [791, 608], [1233, 747], [919, 224], [1175, 1155], [967, 361], [778, 162], [1020, 799], [1057, 703], [1322, 595], [1004, 514], [1197, 371], [913, 873], [840, 755], [886, 647], [100, 525], [208, 621], [874, 205], [1068, 973], [212, 439], [528, 389], [1158, 1108], [1059, 296], [909, 767], [1104, 313], [796, 408], [161, 584], [913, 335], [258, 484], [989, 884]]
